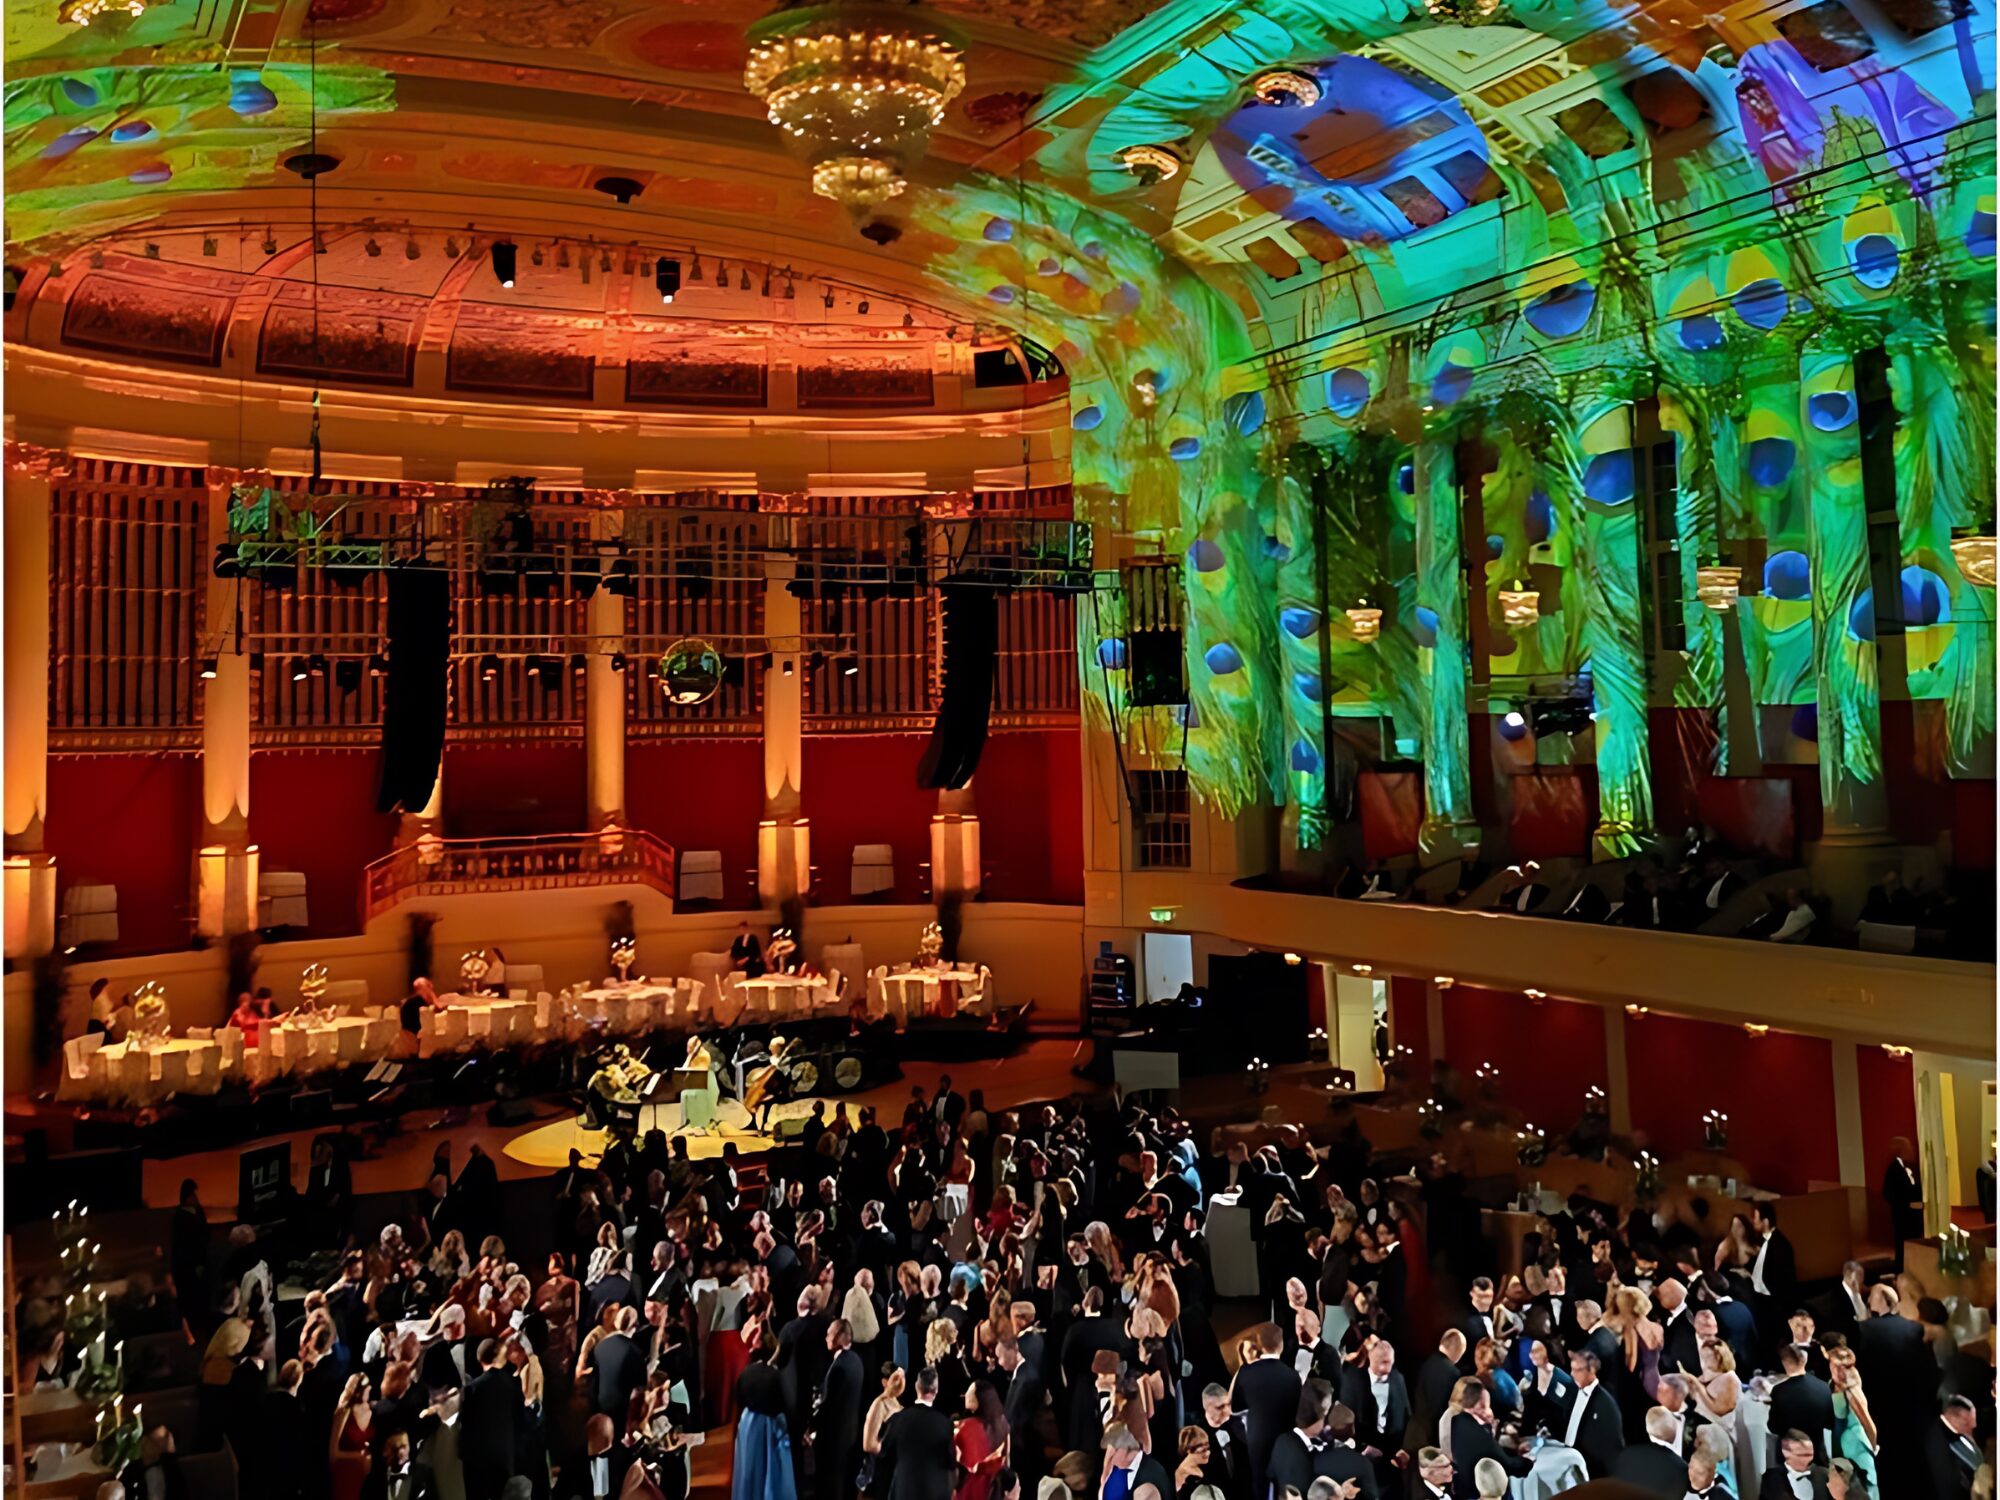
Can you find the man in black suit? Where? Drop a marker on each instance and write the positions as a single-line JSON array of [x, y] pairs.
[[1229, 1444], [446, 1362], [801, 1363], [1657, 1465], [1801, 1401], [1435, 1378], [917, 1450], [1702, 1483], [1592, 1424], [781, 1266], [270, 1461], [1774, 1274], [1556, 1301], [489, 1416], [601, 1475], [1680, 1350], [156, 1455], [1904, 1196], [948, 1108], [1292, 1456], [394, 1477], [1091, 1334], [1598, 1339], [1380, 1402], [1021, 1398], [1135, 1474], [1267, 1394], [1340, 1460], [1951, 1457], [1475, 1325], [1472, 1439], [621, 1368], [615, 1285], [1795, 1476], [1900, 1373], [837, 1426]]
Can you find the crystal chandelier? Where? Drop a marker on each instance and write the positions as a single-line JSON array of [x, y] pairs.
[[1974, 555], [857, 87], [83, 12], [1717, 585], [1465, 12]]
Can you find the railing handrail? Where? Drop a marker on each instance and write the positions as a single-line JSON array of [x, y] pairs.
[[616, 852]]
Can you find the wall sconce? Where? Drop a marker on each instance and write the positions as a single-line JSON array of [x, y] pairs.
[[1162, 914]]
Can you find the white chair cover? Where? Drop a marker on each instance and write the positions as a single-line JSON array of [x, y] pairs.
[[131, 1075], [171, 1076], [204, 1070], [232, 1049], [878, 996], [83, 1069], [524, 977]]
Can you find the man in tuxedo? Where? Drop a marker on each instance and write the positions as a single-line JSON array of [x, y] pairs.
[[801, 1363], [1021, 1399], [1475, 1325], [1267, 1394], [1795, 1476], [1292, 1456], [1847, 1306], [1435, 1378], [621, 1368], [1229, 1443], [1951, 1457], [1381, 1405], [1598, 1339], [1560, 1306], [156, 1473], [1801, 1401], [948, 1108], [1226, 1173], [601, 1475], [1657, 1465], [917, 1450], [1774, 1274], [1090, 1335], [1472, 1439], [1433, 1475], [1904, 1196], [1674, 1401], [1340, 1461], [394, 1477], [1134, 1473], [489, 1416], [1702, 1483], [1900, 1373], [837, 1426], [1680, 1349], [1592, 1424]]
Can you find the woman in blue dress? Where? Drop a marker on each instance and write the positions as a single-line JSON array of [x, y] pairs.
[[1853, 1422], [763, 1469]]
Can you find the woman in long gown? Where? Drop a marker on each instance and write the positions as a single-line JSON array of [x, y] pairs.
[[981, 1441], [348, 1452], [1853, 1422], [763, 1467]]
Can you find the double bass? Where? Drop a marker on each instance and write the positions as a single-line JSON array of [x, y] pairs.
[[762, 1083]]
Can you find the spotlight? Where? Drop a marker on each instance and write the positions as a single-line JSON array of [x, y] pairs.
[[535, 256], [697, 265], [207, 669], [547, 670], [862, 307], [815, 661], [909, 320], [721, 274], [1514, 721], [743, 282], [618, 661], [667, 277], [451, 246], [300, 672], [152, 250], [604, 262], [347, 676], [828, 299], [412, 250], [790, 290], [562, 257], [489, 667], [373, 247], [316, 665], [208, 244], [579, 664], [503, 262], [791, 665], [378, 665], [850, 665], [270, 245], [767, 282]]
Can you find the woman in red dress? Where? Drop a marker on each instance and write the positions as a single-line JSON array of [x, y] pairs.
[[981, 1441], [348, 1453]]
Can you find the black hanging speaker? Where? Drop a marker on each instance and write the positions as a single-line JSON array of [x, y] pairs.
[[1159, 669], [413, 699], [971, 639]]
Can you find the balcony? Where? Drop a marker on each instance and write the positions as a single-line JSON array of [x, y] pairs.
[[464, 867]]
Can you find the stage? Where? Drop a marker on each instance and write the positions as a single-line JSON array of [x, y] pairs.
[[548, 1146]]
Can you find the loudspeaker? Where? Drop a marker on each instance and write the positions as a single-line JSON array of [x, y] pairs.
[[1256, 1008], [1159, 668], [413, 699], [971, 639], [510, 1112]]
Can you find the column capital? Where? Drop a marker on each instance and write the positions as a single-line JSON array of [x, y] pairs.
[[37, 461]]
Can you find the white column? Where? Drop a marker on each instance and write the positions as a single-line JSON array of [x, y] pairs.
[[604, 697], [226, 861], [784, 841], [31, 873], [955, 872], [1847, 1131]]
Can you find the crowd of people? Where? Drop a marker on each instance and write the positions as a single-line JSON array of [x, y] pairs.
[[989, 1304]]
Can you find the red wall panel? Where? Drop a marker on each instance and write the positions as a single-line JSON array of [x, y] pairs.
[[501, 791], [1888, 1109], [1392, 808], [862, 789], [1776, 1089], [1972, 832], [314, 811], [1029, 793], [701, 794], [1550, 816], [131, 820], [1548, 1053], [1407, 1022]]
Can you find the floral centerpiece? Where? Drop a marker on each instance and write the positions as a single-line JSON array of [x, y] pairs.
[[780, 949], [473, 968], [150, 1018], [313, 983], [930, 946], [624, 953]]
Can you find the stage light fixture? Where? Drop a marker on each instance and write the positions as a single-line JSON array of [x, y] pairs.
[[791, 291], [347, 676], [207, 669], [412, 250], [815, 661], [316, 665], [697, 265], [579, 664], [299, 671], [373, 247], [504, 255], [850, 666], [451, 246], [828, 299], [791, 665], [743, 281], [208, 244], [378, 666], [862, 306], [270, 245], [618, 661], [489, 667], [535, 256], [667, 277], [909, 320]]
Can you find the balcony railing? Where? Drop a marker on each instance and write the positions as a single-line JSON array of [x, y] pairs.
[[460, 867]]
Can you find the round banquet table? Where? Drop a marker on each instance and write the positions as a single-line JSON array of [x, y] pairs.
[[124, 1070], [315, 1046], [462, 1021], [781, 996], [916, 993], [629, 1006]]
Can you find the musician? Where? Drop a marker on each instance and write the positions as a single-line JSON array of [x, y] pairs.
[[770, 1084]]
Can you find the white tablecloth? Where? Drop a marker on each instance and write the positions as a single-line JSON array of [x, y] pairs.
[[1232, 1257], [1558, 1469], [929, 992], [333, 1044], [127, 1073], [466, 1021], [637, 1006], [781, 997], [1753, 1432]]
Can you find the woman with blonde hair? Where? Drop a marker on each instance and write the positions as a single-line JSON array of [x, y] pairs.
[[1464, 1396], [1634, 1377], [886, 1405], [1191, 1479], [1854, 1435], [1104, 1249], [1717, 1390], [448, 1258]]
